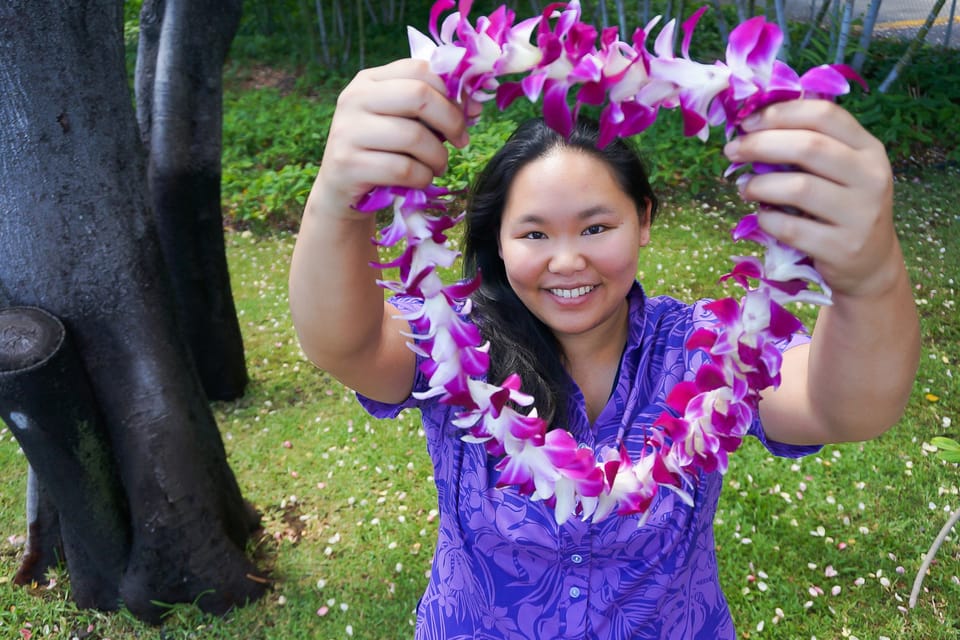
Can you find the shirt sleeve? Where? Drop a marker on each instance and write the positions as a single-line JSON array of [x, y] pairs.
[[384, 410], [704, 318]]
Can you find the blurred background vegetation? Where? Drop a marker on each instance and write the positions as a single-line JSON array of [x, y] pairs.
[[291, 58]]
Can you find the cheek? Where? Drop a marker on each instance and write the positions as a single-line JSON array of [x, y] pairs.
[[519, 263]]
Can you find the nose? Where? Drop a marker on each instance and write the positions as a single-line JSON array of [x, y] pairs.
[[566, 259]]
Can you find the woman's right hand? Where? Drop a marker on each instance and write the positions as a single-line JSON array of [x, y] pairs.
[[388, 130]]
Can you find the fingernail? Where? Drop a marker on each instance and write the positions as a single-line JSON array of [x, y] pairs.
[[751, 121], [742, 182], [730, 149]]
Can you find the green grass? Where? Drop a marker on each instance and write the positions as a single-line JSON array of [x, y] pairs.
[[348, 502]]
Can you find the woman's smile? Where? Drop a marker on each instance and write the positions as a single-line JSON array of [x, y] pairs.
[[576, 294]]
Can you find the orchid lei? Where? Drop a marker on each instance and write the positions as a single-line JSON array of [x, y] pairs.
[[711, 413]]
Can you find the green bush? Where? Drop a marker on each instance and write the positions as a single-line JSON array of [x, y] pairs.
[[271, 137], [272, 145]]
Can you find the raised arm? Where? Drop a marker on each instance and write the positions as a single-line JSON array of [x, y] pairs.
[[853, 380], [385, 131]]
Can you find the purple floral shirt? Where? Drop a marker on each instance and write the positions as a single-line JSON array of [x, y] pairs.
[[503, 568]]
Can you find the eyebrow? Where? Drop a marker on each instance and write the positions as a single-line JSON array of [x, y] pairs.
[[586, 214]]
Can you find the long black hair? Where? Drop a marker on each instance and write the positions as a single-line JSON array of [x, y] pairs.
[[519, 341]]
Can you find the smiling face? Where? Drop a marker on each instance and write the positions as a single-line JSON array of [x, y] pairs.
[[570, 238]]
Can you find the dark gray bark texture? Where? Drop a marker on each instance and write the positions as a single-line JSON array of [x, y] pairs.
[[78, 241], [46, 400], [179, 90]]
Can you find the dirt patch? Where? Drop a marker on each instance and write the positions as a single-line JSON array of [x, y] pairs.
[[260, 76]]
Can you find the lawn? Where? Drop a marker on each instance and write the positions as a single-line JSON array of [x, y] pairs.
[[825, 547]]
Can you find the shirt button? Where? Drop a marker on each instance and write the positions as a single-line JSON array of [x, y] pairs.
[[576, 558], [574, 592]]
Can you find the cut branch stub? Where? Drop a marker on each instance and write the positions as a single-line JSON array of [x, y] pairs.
[[47, 403]]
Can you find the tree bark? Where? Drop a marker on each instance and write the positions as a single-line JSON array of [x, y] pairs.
[[43, 549], [179, 88], [77, 240], [47, 403]]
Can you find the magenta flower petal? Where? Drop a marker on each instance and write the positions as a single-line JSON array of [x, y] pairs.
[[556, 112], [435, 12], [782, 322], [702, 338], [688, 27], [825, 80]]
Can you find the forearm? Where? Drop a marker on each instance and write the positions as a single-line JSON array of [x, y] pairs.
[[336, 305], [863, 360]]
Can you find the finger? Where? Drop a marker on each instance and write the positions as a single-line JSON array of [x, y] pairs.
[[408, 68], [809, 235], [812, 151], [409, 88], [386, 134], [406, 137], [814, 115], [813, 195], [383, 169]]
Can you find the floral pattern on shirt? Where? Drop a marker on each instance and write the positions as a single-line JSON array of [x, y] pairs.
[[503, 569]]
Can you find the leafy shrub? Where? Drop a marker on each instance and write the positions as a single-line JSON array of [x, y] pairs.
[[269, 197], [272, 144]]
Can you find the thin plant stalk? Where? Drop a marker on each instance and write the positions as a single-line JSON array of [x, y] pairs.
[[815, 24], [741, 10], [953, 12], [361, 36], [912, 49], [722, 27], [866, 36], [322, 26], [781, 10], [621, 18], [928, 559], [843, 33]]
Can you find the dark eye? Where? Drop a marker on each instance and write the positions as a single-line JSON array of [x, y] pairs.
[[534, 235], [594, 229]]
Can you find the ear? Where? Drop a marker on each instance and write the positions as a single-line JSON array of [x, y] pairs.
[[499, 248], [645, 222]]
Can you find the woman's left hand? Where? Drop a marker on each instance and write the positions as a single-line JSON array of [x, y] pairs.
[[842, 182]]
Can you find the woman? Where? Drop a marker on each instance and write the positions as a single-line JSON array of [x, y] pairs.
[[556, 227]]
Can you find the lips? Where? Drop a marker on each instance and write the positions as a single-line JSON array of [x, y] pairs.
[[575, 292]]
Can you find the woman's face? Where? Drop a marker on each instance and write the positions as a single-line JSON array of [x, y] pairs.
[[570, 238]]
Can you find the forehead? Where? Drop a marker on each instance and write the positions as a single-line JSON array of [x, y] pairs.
[[564, 179]]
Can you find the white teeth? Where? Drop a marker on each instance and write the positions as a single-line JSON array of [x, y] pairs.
[[572, 293]]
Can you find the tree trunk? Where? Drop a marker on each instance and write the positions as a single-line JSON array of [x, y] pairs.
[[47, 403], [179, 89], [77, 240], [44, 547]]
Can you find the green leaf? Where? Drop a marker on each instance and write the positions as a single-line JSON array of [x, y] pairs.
[[945, 444]]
